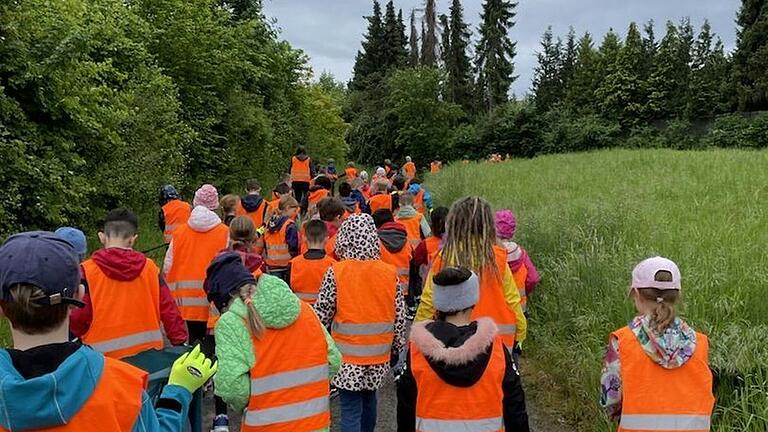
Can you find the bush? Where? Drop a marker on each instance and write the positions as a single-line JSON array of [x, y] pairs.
[[739, 130]]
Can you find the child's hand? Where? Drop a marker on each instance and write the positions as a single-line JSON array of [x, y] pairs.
[[192, 370]]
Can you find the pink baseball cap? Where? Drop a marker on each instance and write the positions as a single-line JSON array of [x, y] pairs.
[[644, 274]]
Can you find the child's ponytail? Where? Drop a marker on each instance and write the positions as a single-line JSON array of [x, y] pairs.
[[663, 312], [255, 322]]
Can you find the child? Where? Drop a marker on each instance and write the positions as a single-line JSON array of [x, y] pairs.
[[49, 383], [277, 359], [427, 250], [382, 199], [397, 251], [359, 294], [252, 204], [353, 200], [409, 169], [330, 211], [457, 362], [525, 273], [76, 238], [379, 175], [229, 204], [350, 172], [332, 173], [422, 199], [282, 239], [306, 271], [414, 222], [278, 192], [173, 211], [127, 299], [192, 248], [657, 349], [470, 241], [322, 188]]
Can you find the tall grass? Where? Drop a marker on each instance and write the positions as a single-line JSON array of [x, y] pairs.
[[586, 219]]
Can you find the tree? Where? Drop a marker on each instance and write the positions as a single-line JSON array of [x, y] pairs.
[[429, 42], [413, 42], [666, 95], [495, 53], [568, 58], [582, 88], [456, 38], [750, 60], [394, 48], [368, 63], [547, 81], [445, 40], [622, 94], [709, 76], [650, 46]]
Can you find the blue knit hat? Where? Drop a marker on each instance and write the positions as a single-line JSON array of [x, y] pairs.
[[226, 275], [76, 238]]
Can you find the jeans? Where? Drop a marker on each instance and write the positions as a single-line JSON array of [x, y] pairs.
[[358, 410]]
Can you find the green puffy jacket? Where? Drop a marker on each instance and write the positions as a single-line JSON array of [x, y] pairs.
[[279, 308]]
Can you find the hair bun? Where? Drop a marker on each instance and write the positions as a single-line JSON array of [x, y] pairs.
[[452, 276]]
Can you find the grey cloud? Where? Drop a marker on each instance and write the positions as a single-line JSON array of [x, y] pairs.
[[330, 31]]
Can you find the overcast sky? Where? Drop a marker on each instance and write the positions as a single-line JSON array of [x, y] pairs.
[[330, 31]]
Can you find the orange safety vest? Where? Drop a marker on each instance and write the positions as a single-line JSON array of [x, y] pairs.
[[290, 388], [520, 276], [330, 245], [351, 174], [213, 312], [277, 253], [413, 228], [300, 170], [126, 314], [686, 402], [192, 254], [402, 262], [176, 213], [307, 276], [380, 201], [434, 167], [317, 196], [433, 247], [418, 202], [258, 216], [363, 327], [410, 170], [492, 302], [481, 405], [114, 405]]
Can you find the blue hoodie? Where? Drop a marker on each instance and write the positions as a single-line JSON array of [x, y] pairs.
[[53, 399], [415, 188]]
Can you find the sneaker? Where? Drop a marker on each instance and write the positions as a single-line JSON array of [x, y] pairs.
[[220, 423]]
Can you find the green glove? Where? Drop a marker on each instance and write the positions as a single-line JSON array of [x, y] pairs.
[[192, 370]]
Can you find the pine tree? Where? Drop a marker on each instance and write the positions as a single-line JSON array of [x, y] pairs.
[[429, 42], [413, 42], [709, 76], [445, 40], [456, 38], [622, 94], [750, 60], [368, 62], [547, 85], [650, 46], [666, 95], [495, 53], [568, 58], [394, 53], [581, 90]]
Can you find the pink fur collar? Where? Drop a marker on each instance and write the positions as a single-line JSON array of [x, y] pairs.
[[435, 350]]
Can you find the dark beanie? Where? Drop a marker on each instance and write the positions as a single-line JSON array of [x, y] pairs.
[[226, 275]]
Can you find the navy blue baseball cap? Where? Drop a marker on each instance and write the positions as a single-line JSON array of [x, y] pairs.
[[44, 260]]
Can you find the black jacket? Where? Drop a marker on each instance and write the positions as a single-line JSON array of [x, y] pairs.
[[464, 375]]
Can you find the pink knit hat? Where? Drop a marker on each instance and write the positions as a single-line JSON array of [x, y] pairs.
[[506, 224], [207, 196]]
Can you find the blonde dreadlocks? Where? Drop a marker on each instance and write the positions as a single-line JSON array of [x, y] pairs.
[[470, 234]]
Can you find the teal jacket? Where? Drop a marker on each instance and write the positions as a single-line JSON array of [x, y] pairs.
[[279, 308], [53, 399]]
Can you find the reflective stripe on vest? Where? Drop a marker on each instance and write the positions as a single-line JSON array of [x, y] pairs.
[[665, 422], [187, 284], [507, 329], [277, 254], [483, 425], [306, 296], [285, 380], [300, 170], [286, 413], [192, 301], [364, 350], [128, 341], [362, 329]]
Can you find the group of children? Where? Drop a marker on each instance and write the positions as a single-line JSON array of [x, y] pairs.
[[296, 300]]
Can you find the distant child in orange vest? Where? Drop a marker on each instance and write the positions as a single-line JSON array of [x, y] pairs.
[[354, 201], [525, 273], [470, 241], [193, 247], [331, 212], [397, 251], [307, 270], [657, 350], [382, 199], [229, 204], [281, 241], [127, 299], [427, 250], [50, 383], [252, 204], [322, 188], [409, 169], [360, 302], [454, 363], [173, 211], [415, 223], [277, 359], [278, 192], [350, 172]]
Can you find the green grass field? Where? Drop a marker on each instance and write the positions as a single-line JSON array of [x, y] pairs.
[[588, 218]]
